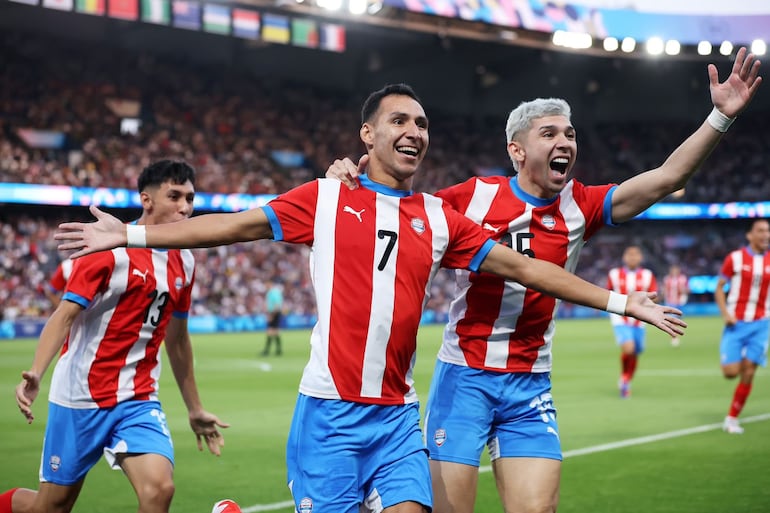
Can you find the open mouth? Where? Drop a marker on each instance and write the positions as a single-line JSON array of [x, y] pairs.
[[411, 151], [559, 164]]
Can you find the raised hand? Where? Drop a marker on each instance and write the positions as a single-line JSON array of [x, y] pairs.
[[641, 306], [107, 232], [734, 94], [347, 171]]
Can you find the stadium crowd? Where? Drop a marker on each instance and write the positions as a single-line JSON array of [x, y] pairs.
[[264, 137]]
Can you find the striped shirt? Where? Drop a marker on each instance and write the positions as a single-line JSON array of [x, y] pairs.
[[748, 276]]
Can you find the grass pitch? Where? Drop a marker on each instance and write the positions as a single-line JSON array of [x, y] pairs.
[[676, 390]]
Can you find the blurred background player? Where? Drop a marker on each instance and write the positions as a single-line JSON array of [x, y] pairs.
[[629, 333], [116, 310], [274, 306], [675, 292], [744, 308]]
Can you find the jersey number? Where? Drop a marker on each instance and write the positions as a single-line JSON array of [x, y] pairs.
[[522, 243], [157, 303], [393, 236]]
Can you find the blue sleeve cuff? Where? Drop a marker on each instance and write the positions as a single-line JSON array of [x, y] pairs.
[[608, 207], [275, 224], [80, 300], [181, 315], [481, 255]]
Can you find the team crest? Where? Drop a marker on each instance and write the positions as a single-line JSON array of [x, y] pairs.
[[418, 225], [305, 505], [54, 463], [439, 437], [549, 222], [178, 283]]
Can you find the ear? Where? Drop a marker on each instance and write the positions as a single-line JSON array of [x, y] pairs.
[[146, 200], [367, 135], [516, 152]]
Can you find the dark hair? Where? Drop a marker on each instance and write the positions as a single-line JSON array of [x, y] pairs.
[[753, 223], [372, 103], [163, 171]]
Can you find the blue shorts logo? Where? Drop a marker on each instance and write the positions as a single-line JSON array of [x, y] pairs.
[[439, 437], [306, 505], [54, 463]]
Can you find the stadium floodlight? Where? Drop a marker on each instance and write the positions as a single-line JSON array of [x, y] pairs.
[[654, 45], [357, 7], [611, 44], [628, 44], [758, 47], [329, 5], [576, 40], [704, 48], [673, 47], [726, 48]]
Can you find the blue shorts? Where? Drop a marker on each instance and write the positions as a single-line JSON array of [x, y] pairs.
[[745, 340], [342, 454], [76, 438], [511, 413], [624, 333]]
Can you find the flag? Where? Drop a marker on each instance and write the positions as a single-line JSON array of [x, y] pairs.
[[123, 9], [245, 23], [332, 37], [275, 28], [216, 19], [304, 33], [156, 11], [187, 15], [61, 5], [90, 7]]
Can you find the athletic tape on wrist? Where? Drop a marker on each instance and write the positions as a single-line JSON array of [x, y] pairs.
[[719, 121], [617, 303], [136, 236]]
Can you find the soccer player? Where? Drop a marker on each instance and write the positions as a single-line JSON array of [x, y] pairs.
[[500, 332], [629, 332], [117, 308], [274, 303], [675, 292], [355, 438], [744, 309]]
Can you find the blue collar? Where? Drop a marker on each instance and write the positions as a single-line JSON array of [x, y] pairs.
[[382, 189], [528, 198]]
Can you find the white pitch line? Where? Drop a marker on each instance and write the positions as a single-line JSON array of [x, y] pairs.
[[576, 452]]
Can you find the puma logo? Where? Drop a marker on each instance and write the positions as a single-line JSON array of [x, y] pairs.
[[488, 226], [137, 272], [350, 210]]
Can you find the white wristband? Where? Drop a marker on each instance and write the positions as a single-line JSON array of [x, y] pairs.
[[617, 303], [136, 236], [719, 121]]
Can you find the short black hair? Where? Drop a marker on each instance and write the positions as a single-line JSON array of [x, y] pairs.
[[372, 103], [163, 171]]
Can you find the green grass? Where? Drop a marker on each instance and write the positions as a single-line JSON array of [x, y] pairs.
[[675, 389]]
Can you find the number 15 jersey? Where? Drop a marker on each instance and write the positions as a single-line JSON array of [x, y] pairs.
[[500, 325]]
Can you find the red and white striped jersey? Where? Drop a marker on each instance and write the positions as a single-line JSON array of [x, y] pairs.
[[59, 279], [625, 281], [500, 325], [112, 352], [748, 276], [675, 289], [374, 253]]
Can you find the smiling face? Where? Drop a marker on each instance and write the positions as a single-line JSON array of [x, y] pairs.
[[545, 154], [396, 138]]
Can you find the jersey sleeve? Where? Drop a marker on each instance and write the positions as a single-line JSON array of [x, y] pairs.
[[90, 275], [57, 283], [468, 244], [458, 196], [727, 267], [595, 201], [182, 308], [653, 284], [292, 214]]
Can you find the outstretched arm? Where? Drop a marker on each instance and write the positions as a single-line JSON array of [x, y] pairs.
[[553, 280], [203, 231], [180, 356], [730, 98]]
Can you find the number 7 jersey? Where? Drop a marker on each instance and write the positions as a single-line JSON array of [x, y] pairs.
[[500, 325], [374, 253]]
